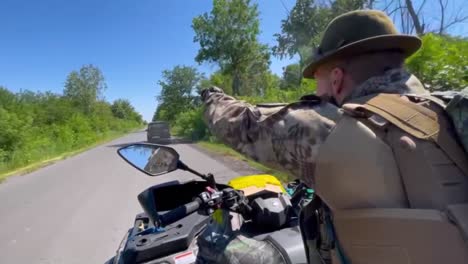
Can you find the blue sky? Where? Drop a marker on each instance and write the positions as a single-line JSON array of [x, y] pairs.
[[132, 42]]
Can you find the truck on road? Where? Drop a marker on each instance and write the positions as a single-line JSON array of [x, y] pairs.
[[157, 130]]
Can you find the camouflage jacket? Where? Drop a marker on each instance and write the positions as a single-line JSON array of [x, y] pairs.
[[288, 137]]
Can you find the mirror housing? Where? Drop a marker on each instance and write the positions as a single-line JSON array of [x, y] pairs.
[[154, 160], [151, 159]]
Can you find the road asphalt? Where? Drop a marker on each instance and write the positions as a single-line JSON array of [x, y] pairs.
[[78, 209]]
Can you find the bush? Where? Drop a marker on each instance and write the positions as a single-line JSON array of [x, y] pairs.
[[442, 63], [37, 126], [190, 124]]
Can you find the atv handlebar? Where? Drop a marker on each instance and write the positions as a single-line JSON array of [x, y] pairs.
[[180, 212]]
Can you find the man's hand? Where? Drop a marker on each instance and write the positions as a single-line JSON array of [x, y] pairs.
[[206, 92]]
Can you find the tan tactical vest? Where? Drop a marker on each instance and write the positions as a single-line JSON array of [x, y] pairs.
[[396, 182]]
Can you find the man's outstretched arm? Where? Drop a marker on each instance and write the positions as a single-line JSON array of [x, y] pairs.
[[284, 137]]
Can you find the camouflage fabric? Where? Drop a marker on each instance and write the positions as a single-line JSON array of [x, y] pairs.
[[457, 110], [289, 137], [220, 242]]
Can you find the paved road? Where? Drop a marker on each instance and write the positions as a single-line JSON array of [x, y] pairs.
[[77, 210]]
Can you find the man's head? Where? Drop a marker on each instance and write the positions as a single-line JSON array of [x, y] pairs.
[[355, 47], [337, 79]]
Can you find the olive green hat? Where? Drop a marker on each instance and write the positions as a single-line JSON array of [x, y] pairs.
[[359, 32]]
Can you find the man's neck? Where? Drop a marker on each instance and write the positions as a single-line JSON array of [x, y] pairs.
[[395, 81]]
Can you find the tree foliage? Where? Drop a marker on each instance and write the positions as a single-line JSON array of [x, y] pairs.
[[84, 87], [228, 37], [292, 76], [302, 29], [123, 109], [36, 126], [442, 63], [178, 92]]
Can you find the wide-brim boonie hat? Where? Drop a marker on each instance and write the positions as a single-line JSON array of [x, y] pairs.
[[359, 32]]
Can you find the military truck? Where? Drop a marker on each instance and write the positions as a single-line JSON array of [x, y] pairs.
[[157, 130]]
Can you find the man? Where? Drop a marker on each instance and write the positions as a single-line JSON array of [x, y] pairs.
[[381, 162]]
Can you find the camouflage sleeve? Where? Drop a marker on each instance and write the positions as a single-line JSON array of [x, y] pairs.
[[284, 137]]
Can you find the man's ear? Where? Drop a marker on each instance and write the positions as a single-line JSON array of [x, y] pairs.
[[337, 79]]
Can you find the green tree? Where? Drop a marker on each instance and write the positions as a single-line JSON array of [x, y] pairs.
[[254, 79], [441, 63], [178, 87], [292, 77], [123, 109], [222, 80], [156, 114], [228, 37], [7, 98], [302, 29], [190, 124], [38, 125], [85, 87]]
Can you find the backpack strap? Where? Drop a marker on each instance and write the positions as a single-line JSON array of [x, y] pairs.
[[418, 121]]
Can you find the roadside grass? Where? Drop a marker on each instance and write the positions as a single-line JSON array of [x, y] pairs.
[[17, 171], [224, 150]]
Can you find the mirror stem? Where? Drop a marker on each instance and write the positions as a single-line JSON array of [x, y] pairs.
[[209, 178]]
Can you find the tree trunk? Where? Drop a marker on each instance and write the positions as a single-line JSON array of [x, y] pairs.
[[442, 17], [417, 24], [236, 83]]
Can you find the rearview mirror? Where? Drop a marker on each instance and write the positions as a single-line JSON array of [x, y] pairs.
[[149, 158]]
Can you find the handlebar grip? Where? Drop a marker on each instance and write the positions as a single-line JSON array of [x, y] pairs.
[[180, 212]]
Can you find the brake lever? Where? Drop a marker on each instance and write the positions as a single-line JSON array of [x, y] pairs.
[[229, 199], [235, 201], [211, 200]]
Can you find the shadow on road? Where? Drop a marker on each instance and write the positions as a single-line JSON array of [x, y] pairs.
[[161, 141], [172, 141], [124, 144]]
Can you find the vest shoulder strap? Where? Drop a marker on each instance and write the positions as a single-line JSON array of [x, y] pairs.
[[416, 120]]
